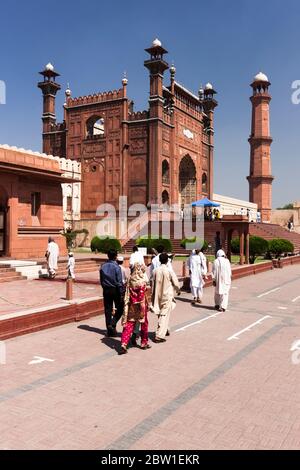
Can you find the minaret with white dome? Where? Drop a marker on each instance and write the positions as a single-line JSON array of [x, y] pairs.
[[49, 89], [260, 178], [156, 65]]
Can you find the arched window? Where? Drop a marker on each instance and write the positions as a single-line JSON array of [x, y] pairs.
[[165, 172], [165, 197], [95, 127], [204, 183]]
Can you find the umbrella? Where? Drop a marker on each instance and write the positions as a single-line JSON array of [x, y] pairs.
[[205, 202]]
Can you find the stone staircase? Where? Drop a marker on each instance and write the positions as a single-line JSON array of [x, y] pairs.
[[8, 274], [210, 229], [13, 270], [270, 231], [267, 231], [82, 266]]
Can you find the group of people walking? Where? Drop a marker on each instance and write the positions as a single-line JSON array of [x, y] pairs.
[[52, 255], [221, 274], [129, 294], [134, 295]]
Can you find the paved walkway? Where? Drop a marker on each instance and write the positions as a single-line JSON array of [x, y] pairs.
[[19, 296], [220, 381]]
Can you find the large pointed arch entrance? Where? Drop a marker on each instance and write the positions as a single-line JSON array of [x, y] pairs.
[[187, 181]]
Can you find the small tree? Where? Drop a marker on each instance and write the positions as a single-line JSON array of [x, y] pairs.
[[104, 244], [258, 246], [286, 207], [196, 241], [70, 236], [280, 246]]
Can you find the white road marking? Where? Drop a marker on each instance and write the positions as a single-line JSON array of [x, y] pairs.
[[282, 308], [39, 360], [296, 298], [269, 292], [235, 336], [234, 287], [296, 345], [199, 321]]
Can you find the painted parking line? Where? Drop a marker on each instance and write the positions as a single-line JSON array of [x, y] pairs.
[[235, 336], [199, 321], [268, 292], [282, 308], [296, 298]]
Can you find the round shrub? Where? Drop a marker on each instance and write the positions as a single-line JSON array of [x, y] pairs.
[[280, 246], [196, 241], [235, 246], [258, 246], [152, 242], [104, 244]]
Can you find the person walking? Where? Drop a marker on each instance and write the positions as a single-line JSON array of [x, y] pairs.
[[52, 255], [198, 269], [136, 257], [136, 307], [112, 284], [218, 243], [221, 273], [71, 266], [165, 284]]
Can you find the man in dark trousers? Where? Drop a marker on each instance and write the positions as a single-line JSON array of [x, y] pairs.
[[112, 284]]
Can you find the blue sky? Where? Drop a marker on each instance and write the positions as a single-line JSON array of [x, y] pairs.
[[92, 42]]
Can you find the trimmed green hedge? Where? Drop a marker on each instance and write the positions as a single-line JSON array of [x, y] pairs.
[[149, 243], [280, 246], [258, 246], [104, 244], [199, 243]]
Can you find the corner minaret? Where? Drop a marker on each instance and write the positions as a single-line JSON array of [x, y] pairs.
[[156, 66], [260, 178], [49, 88]]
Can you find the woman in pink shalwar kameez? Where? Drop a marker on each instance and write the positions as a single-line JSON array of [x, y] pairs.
[[136, 308]]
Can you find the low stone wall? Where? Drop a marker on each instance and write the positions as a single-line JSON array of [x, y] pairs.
[[56, 315], [282, 262]]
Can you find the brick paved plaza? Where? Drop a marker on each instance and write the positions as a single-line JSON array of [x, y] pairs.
[[214, 385]]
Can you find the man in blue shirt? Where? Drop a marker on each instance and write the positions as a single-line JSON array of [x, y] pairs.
[[112, 284]]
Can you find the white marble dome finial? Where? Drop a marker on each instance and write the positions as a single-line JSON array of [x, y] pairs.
[[125, 79], [208, 86], [49, 67], [156, 43], [261, 77], [68, 92]]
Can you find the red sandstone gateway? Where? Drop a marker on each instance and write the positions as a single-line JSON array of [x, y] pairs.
[[163, 154]]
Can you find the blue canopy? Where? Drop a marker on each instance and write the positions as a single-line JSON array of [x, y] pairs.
[[205, 203]]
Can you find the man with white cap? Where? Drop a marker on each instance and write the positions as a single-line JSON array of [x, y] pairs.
[[71, 266], [221, 273]]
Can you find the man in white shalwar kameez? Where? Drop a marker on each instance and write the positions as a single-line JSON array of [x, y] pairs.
[[221, 273], [52, 255], [165, 285], [198, 270]]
